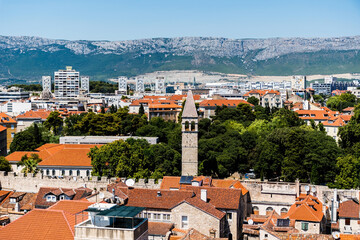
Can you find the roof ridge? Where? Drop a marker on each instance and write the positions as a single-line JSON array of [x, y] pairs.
[[67, 221]]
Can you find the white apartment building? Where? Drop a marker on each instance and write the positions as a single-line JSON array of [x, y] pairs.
[[85, 83], [122, 84], [66, 83], [46, 83]]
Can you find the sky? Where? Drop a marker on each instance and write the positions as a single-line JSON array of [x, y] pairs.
[[137, 19]]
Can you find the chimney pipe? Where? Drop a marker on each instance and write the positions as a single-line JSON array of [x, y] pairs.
[[203, 195]]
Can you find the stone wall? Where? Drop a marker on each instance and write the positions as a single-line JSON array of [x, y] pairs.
[[32, 183]]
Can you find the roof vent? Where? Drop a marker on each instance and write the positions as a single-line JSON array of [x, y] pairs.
[[159, 194]]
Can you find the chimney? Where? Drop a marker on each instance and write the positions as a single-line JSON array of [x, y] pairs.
[[159, 194], [203, 195]]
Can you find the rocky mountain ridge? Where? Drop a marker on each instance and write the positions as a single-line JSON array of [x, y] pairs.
[[186, 46]]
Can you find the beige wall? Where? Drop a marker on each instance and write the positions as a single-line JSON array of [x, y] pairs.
[[354, 226], [196, 219], [266, 235], [313, 227]]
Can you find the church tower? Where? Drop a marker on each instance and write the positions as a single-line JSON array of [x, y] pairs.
[[189, 123]]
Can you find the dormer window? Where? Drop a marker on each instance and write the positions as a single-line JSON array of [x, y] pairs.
[[12, 200], [51, 198]]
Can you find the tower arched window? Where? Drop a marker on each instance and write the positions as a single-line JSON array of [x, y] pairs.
[[187, 126], [192, 125]]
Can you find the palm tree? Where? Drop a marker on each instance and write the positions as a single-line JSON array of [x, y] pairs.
[[30, 163]]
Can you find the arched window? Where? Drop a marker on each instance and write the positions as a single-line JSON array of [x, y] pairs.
[[283, 211], [255, 210], [87, 173], [192, 126], [63, 172], [70, 172], [53, 172], [78, 173], [269, 210], [187, 126], [47, 172]]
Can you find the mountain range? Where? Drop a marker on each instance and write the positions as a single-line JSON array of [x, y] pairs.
[[29, 58]]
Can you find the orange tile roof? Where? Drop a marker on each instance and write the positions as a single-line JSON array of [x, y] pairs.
[[348, 109], [183, 97], [150, 101], [164, 106], [4, 118], [159, 228], [349, 209], [315, 114], [349, 237], [261, 92], [2, 128], [229, 103], [56, 223], [338, 121], [59, 154], [306, 209], [41, 113], [205, 206]]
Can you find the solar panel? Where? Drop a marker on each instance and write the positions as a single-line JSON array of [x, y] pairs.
[[186, 179], [283, 222]]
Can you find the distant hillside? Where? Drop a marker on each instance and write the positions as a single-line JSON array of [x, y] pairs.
[[29, 58]]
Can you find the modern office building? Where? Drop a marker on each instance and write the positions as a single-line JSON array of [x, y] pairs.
[[46, 83], [67, 83], [85, 83]]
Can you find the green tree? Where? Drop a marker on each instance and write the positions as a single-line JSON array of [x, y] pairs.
[[30, 163], [141, 110], [54, 122], [340, 102], [348, 176], [253, 100], [4, 164]]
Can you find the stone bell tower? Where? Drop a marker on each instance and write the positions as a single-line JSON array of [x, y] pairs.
[[189, 123]]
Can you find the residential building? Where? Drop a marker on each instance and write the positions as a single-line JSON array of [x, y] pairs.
[[307, 211], [333, 124], [168, 112], [318, 116], [58, 160], [109, 221], [66, 83], [85, 84], [18, 202], [56, 222], [15, 107], [267, 98], [321, 88], [47, 196], [3, 141], [13, 93], [28, 118], [11, 126], [46, 83], [355, 91], [122, 85], [349, 217], [208, 107]]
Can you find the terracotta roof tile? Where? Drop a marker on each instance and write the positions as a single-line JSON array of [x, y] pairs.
[[349, 209], [228, 103], [4, 118], [261, 92], [159, 228], [39, 114], [308, 209]]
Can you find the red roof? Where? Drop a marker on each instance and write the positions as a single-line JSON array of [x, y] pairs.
[[261, 92], [4, 118], [349, 209], [2, 128], [306, 208], [53, 223], [229, 103], [39, 114], [58, 154]]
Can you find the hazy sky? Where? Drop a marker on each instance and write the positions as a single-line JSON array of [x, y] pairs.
[[135, 19]]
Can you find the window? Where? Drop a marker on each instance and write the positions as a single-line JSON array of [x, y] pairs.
[[47, 172], [12, 135], [78, 173], [184, 222], [283, 211], [157, 216], [12, 200], [147, 215], [63, 172], [12, 126], [269, 210], [229, 216], [256, 210], [51, 198], [62, 197], [304, 226], [87, 173], [347, 221], [53, 172], [70, 173], [166, 217]]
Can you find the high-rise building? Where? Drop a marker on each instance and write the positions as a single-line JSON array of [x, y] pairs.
[[46, 83], [189, 122], [85, 83], [122, 81], [66, 83], [160, 85], [140, 86]]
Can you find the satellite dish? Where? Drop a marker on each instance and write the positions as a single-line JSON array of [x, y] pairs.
[[130, 182], [313, 189], [250, 222], [101, 195], [336, 235], [307, 188]]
